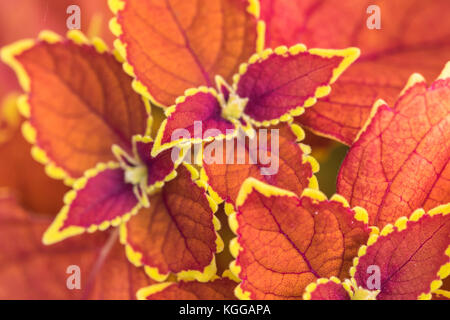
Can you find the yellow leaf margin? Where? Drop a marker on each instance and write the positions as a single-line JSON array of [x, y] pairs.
[[349, 55], [306, 157], [118, 5], [400, 225], [135, 257], [8, 54], [251, 184], [53, 234]]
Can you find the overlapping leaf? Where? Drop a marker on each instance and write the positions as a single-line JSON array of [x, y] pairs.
[[175, 45], [400, 162], [80, 102], [30, 270], [273, 86], [286, 242], [177, 234], [198, 115], [219, 289], [406, 261], [273, 156], [389, 55]]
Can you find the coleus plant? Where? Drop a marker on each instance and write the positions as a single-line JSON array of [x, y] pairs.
[[91, 129]]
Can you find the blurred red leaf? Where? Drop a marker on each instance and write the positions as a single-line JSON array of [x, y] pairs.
[[30, 270]]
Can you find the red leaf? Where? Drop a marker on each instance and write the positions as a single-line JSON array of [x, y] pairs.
[[176, 234], [197, 114], [412, 257], [286, 242], [400, 162], [443, 293], [176, 45], [100, 199], [389, 55], [294, 170], [325, 289], [30, 270], [280, 84], [220, 289], [75, 90]]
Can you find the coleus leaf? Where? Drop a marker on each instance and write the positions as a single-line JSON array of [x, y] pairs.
[[177, 234], [18, 170], [30, 270], [75, 89], [390, 54], [294, 170], [400, 161], [443, 293], [273, 86], [175, 45], [413, 256], [112, 192], [285, 241], [405, 261], [218, 289], [100, 199], [326, 289]]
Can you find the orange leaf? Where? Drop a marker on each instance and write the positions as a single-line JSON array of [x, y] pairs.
[[220, 289], [289, 167], [79, 104], [400, 162], [175, 45], [411, 257], [177, 234], [326, 289], [30, 270], [286, 242], [389, 55], [19, 172]]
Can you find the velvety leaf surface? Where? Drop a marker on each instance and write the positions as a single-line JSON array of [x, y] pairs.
[[196, 114], [100, 199], [401, 161], [30, 270], [220, 289], [286, 242], [225, 178], [81, 103], [410, 259], [176, 45], [176, 233], [389, 55], [284, 81], [329, 291]]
